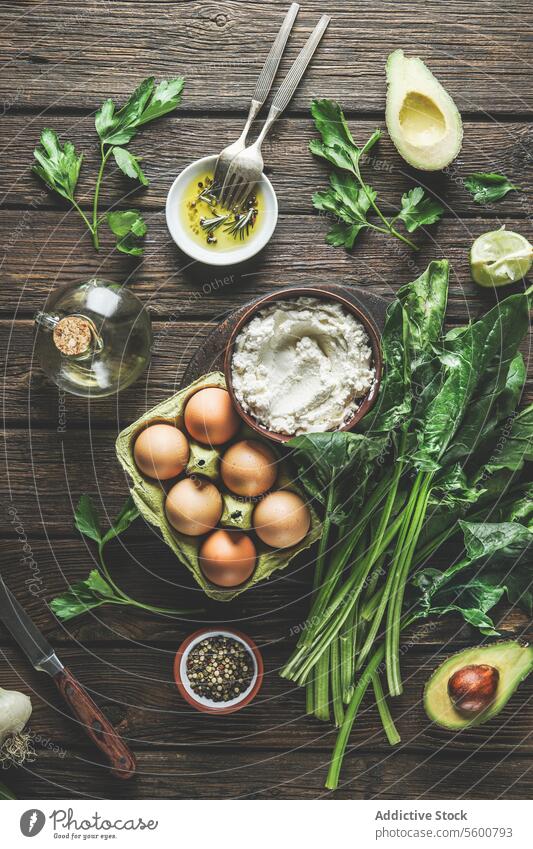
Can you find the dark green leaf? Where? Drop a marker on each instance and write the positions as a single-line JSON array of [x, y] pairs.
[[342, 460], [486, 419], [83, 596], [129, 226], [129, 165], [515, 445], [419, 210], [145, 104], [127, 515], [501, 540], [86, 519], [393, 404], [486, 188], [166, 97], [465, 358], [58, 166]]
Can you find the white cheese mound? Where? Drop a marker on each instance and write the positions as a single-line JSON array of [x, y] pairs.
[[302, 365]]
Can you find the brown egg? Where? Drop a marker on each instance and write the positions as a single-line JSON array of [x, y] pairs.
[[193, 506], [282, 519], [227, 558], [210, 416], [161, 451], [249, 468]]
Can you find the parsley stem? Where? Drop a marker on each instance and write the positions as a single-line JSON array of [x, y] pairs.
[[78, 208], [126, 599], [104, 157], [390, 229]]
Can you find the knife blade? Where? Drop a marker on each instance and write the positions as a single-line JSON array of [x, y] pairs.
[[44, 659]]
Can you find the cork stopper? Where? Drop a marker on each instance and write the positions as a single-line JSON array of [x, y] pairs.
[[73, 336]]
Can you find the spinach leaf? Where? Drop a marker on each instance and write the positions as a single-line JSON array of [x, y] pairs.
[[515, 446], [393, 404], [465, 358], [419, 210], [494, 401], [488, 187], [58, 166], [340, 461]]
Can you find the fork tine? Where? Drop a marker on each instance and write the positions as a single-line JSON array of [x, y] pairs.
[[227, 186], [234, 186], [244, 193]]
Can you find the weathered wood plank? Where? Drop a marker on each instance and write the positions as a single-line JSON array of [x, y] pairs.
[[235, 773], [44, 249], [135, 686], [29, 397], [106, 49], [175, 142]]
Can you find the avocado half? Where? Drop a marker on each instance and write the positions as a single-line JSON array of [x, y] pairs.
[[422, 119], [513, 661]]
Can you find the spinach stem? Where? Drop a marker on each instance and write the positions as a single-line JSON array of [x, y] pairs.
[[384, 712], [336, 684]]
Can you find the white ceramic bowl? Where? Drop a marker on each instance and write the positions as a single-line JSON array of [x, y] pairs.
[[179, 232]]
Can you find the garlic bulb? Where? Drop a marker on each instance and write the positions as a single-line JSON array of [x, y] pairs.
[[15, 711]]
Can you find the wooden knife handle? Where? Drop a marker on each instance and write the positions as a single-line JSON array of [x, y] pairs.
[[98, 728]]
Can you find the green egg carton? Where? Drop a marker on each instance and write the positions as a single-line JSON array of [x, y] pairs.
[[149, 495]]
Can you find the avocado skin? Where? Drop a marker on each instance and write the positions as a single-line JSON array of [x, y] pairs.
[[514, 662]]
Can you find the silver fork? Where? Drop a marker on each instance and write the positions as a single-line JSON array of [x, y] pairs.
[[262, 88], [247, 167]]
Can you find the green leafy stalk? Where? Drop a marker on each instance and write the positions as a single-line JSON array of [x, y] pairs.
[[385, 715], [349, 198], [59, 166]]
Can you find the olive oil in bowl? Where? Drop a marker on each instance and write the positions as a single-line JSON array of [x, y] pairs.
[[212, 225]]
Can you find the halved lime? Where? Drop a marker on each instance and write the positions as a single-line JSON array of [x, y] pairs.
[[500, 257]]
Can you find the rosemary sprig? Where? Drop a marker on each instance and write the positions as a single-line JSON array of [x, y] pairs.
[[212, 224], [242, 223]]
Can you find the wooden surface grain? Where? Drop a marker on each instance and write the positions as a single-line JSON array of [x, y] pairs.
[[60, 60]]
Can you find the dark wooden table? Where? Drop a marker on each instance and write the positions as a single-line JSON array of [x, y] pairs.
[[59, 61]]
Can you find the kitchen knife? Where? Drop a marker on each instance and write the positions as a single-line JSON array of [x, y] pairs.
[[42, 656]]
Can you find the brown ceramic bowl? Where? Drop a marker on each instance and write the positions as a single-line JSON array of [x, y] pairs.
[[206, 705], [314, 292]]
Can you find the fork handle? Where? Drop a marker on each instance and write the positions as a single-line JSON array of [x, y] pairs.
[[289, 85], [268, 72]]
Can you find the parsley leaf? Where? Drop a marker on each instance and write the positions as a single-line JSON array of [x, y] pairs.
[[100, 588], [145, 104], [419, 210], [349, 203], [58, 166], [83, 596], [86, 519], [486, 188], [129, 165], [129, 226], [351, 199]]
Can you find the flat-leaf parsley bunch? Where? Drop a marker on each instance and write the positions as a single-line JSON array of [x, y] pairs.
[[59, 165]]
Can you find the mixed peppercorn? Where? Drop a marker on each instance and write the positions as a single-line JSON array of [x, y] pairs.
[[219, 668]]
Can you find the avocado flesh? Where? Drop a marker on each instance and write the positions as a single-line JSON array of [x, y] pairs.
[[513, 661], [422, 119]]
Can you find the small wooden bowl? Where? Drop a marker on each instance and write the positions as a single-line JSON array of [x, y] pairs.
[[313, 292], [205, 705]]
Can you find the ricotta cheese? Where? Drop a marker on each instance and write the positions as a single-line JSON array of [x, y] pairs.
[[302, 366]]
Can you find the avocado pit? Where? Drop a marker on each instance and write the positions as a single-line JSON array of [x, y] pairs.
[[472, 689]]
